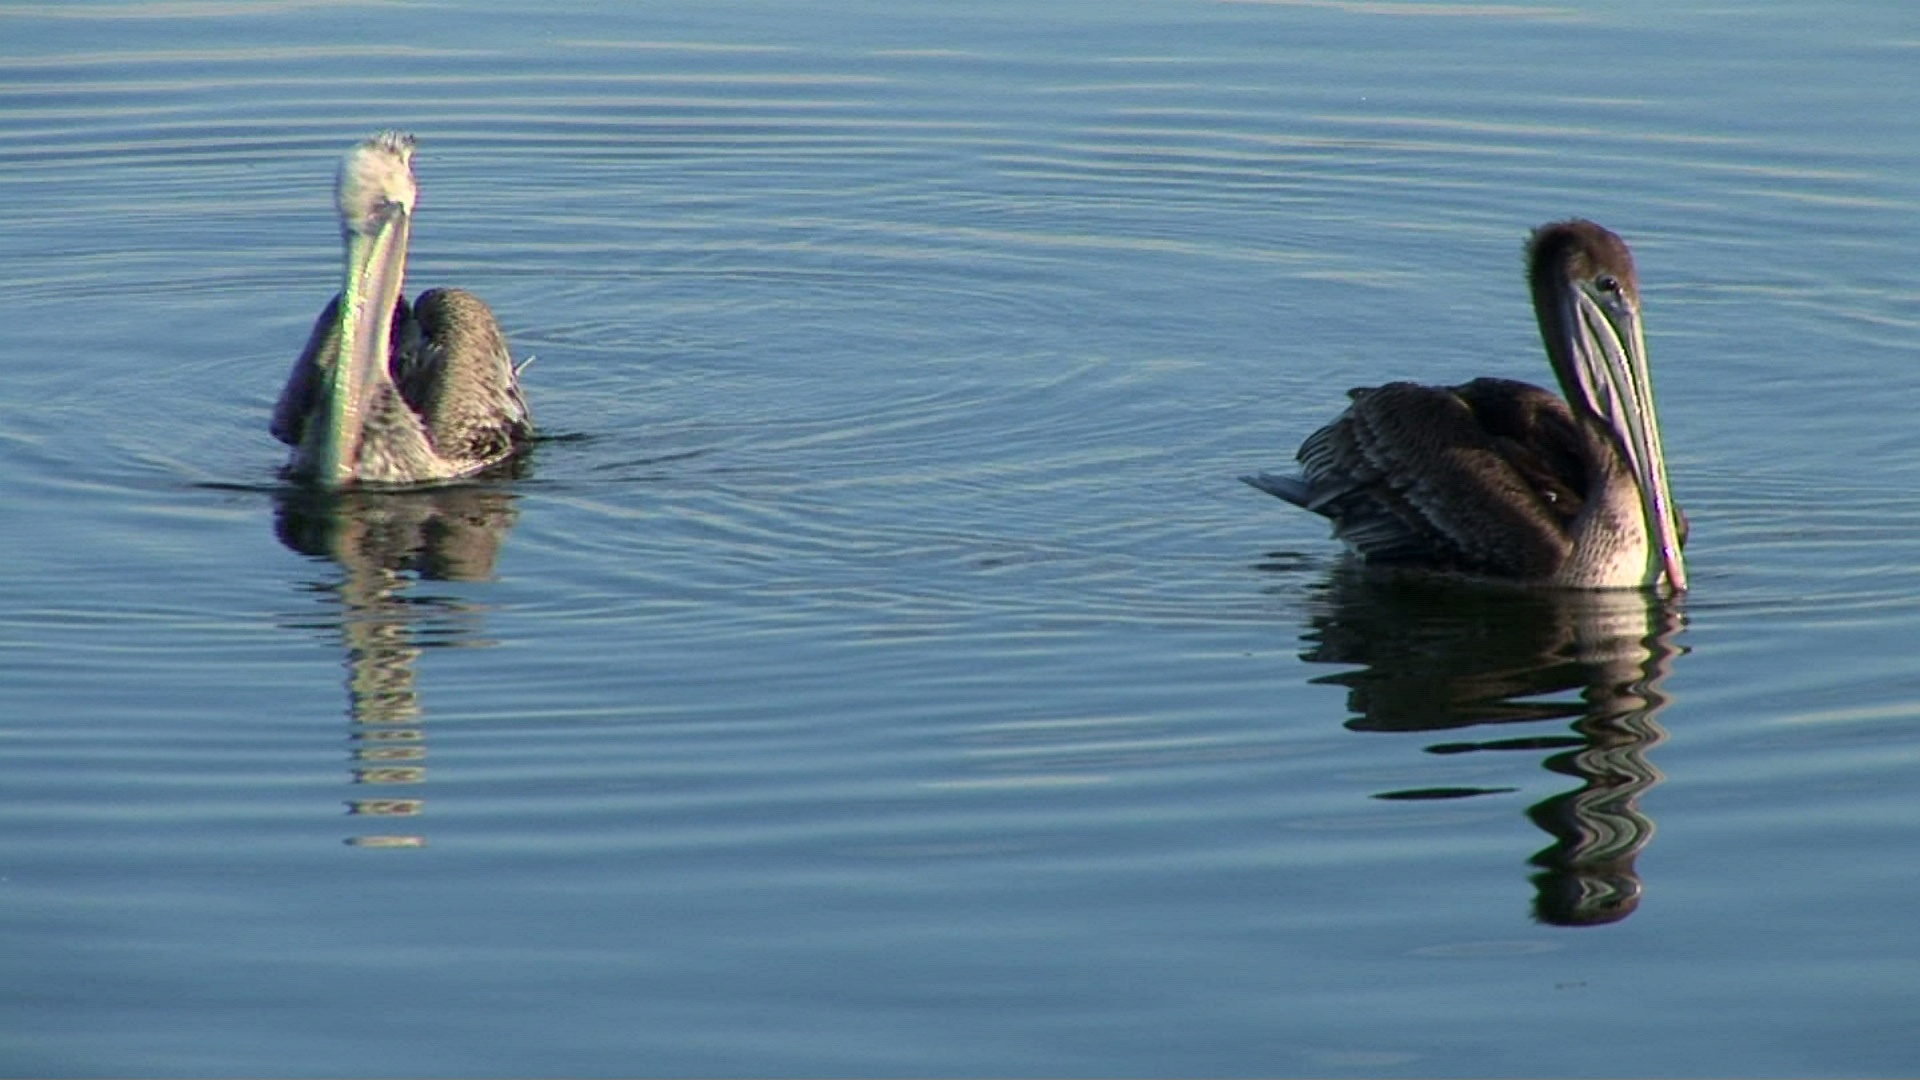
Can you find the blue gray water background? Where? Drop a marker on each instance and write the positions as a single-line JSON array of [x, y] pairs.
[[880, 669]]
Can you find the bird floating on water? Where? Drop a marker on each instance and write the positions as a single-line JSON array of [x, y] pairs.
[[386, 392], [1500, 479]]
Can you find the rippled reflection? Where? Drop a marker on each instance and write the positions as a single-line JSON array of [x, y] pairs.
[[384, 542], [1438, 655]]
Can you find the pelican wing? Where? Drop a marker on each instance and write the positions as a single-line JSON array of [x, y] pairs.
[[301, 394], [1484, 478], [454, 371]]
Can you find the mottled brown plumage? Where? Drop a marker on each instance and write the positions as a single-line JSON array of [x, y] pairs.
[[1502, 479], [460, 380]]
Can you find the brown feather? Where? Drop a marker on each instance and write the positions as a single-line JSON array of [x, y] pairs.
[[1415, 475], [454, 371]]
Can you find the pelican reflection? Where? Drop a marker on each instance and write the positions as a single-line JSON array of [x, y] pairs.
[[1442, 656], [385, 542]]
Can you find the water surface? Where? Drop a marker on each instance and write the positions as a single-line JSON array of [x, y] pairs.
[[881, 670]]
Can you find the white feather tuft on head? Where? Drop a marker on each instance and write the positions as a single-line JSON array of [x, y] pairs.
[[375, 177]]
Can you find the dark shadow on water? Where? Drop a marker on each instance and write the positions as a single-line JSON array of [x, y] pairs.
[[1436, 655], [385, 543]]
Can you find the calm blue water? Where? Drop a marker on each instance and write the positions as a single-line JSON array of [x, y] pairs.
[[881, 669]]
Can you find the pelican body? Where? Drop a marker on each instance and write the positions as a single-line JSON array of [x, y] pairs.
[[1501, 479], [387, 392]]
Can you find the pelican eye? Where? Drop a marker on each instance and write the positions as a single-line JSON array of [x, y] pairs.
[[384, 209], [1607, 283]]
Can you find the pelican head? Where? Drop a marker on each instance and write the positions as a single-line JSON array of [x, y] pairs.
[[1588, 303], [375, 193]]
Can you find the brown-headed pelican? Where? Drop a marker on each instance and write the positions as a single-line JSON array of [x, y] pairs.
[[386, 392], [1501, 479]]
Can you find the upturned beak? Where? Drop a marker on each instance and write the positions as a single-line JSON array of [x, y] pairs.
[[376, 268], [1610, 357]]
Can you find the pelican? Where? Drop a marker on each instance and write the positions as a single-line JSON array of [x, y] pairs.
[[1500, 479], [386, 392]]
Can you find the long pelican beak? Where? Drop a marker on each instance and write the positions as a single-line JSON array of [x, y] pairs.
[[1610, 360], [376, 268]]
